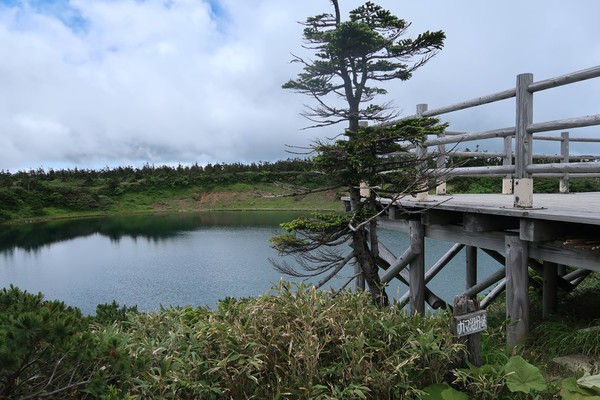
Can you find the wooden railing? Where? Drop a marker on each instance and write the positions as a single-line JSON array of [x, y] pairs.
[[518, 168]]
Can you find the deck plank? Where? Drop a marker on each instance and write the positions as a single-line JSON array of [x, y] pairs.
[[583, 208]]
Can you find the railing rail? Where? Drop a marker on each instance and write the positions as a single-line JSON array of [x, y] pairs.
[[518, 168]]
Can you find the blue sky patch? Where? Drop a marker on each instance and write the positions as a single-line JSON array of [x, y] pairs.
[[61, 9]]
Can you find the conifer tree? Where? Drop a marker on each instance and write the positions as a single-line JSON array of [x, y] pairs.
[[352, 60]]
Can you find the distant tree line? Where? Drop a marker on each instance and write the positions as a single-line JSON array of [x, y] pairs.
[[89, 190]]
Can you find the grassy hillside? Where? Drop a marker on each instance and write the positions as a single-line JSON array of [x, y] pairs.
[[71, 193]]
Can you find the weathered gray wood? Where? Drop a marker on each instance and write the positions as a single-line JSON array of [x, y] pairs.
[[559, 253], [477, 222], [456, 234], [524, 118], [442, 262], [563, 185], [485, 154], [578, 273], [434, 270], [571, 139], [422, 158], [549, 291], [571, 175], [507, 160], [441, 164], [535, 230], [397, 265], [478, 101], [566, 79], [486, 283], [471, 260], [490, 170], [517, 284], [469, 137], [523, 185], [561, 282], [392, 212], [494, 293], [569, 123], [464, 305], [404, 276], [435, 217], [417, 268], [570, 167]]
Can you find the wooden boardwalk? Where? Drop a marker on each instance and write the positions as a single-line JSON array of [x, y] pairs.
[[562, 230], [554, 235], [579, 208]]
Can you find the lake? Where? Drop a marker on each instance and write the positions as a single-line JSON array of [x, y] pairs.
[[172, 259]]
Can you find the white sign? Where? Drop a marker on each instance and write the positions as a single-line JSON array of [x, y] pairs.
[[469, 324]]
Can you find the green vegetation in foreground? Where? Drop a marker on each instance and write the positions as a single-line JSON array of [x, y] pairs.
[[294, 343], [39, 194]]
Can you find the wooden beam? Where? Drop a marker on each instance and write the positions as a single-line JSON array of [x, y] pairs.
[[561, 254], [538, 230], [474, 222], [494, 293], [397, 265], [440, 217], [517, 285], [561, 282]]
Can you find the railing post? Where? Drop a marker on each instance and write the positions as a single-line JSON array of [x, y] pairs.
[[523, 190], [507, 181], [564, 152], [422, 158], [440, 189]]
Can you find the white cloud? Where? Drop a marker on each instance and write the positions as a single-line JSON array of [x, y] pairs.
[[168, 81]]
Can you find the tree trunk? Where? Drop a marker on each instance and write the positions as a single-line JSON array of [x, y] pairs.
[[365, 257]]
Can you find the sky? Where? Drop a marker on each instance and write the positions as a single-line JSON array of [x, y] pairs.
[[106, 83]]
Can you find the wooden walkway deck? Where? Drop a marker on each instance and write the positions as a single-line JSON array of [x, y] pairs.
[[561, 230], [580, 208]]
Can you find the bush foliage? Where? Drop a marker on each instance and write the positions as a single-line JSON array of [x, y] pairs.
[[293, 343]]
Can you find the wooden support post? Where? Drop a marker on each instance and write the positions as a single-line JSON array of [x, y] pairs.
[[474, 322], [422, 156], [564, 152], [517, 286], [549, 290], [523, 189], [471, 257], [417, 268]]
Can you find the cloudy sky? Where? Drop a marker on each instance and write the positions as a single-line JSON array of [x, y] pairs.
[[94, 83]]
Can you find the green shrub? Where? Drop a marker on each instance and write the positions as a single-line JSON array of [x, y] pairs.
[[48, 350], [292, 344]]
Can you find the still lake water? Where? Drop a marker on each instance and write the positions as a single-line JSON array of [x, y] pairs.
[[172, 260]]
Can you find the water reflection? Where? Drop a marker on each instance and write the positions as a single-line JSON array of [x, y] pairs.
[[32, 237]]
